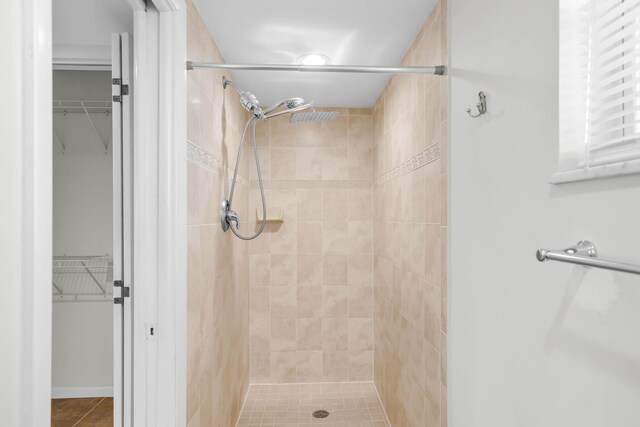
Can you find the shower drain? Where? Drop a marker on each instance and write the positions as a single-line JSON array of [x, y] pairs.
[[321, 413]]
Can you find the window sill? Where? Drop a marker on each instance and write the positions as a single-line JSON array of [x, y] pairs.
[[605, 171]]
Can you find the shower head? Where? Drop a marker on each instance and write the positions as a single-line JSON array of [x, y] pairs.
[[291, 105], [294, 103], [313, 116]]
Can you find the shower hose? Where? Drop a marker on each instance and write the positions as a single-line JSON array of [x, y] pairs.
[[251, 122]]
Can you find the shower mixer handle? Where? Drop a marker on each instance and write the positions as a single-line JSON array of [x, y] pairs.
[[232, 216], [227, 216]]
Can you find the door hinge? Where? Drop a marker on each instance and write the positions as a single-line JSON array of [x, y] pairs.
[[124, 293], [124, 89]]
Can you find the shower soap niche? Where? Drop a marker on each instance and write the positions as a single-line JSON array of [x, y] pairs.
[[273, 214]]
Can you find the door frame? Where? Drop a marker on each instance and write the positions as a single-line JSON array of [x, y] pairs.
[[26, 224], [159, 223], [159, 375]]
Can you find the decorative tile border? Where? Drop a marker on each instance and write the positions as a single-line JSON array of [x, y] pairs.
[[346, 184], [207, 160], [421, 159]]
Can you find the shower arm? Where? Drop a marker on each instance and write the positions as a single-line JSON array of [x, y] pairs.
[[226, 82], [247, 99]]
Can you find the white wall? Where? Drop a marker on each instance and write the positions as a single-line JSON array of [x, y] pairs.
[[82, 354], [82, 349], [531, 344], [82, 29], [82, 175]]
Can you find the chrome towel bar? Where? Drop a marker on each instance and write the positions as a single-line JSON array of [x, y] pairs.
[[585, 253]]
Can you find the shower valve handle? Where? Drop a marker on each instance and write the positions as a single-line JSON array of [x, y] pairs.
[[232, 216]]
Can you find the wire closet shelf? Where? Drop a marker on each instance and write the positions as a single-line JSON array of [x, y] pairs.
[[89, 109], [82, 278]]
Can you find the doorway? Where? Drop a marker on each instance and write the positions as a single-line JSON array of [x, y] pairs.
[[83, 235]]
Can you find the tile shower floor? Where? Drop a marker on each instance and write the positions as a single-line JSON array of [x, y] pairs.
[[353, 404]]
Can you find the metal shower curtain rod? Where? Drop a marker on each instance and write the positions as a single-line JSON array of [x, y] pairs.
[[438, 70]]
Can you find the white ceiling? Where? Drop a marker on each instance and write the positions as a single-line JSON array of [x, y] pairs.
[[350, 32]]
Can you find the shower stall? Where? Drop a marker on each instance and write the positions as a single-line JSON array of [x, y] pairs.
[[330, 307]]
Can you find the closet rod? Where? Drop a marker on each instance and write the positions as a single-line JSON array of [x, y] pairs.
[[71, 64]]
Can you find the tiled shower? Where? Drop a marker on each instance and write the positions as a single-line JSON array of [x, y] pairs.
[[340, 305]]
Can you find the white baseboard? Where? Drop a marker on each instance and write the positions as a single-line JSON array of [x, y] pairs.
[[71, 392]]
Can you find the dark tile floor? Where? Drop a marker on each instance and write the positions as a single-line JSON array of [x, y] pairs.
[[92, 411]]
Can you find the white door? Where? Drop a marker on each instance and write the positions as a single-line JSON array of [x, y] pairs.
[[121, 60]]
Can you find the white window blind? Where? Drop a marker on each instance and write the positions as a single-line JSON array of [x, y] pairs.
[[599, 88]]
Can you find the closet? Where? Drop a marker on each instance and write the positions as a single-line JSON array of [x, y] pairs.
[[82, 285]]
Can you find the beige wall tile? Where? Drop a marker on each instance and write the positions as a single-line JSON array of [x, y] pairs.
[[432, 316], [283, 334], [334, 270], [260, 334], [193, 258], [283, 133], [360, 365], [309, 270], [309, 237], [309, 302], [335, 205], [283, 163], [335, 365], [260, 366], [410, 238], [260, 302], [309, 334], [335, 334], [432, 252], [360, 236], [283, 270], [361, 301], [284, 302], [193, 201], [308, 163], [260, 269], [360, 205], [335, 133], [335, 163], [283, 366], [335, 237], [432, 385], [309, 134], [335, 301], [309, 204], [360, 131], [219, 260], [360, 270], [284, 237], [309, 366], [360, 162], [360, 334]]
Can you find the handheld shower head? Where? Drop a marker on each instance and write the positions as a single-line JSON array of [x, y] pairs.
[[291, 106], [294, 103]]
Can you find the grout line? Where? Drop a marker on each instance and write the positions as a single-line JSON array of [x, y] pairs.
[[382, 404], [88, 412], [243, 403]]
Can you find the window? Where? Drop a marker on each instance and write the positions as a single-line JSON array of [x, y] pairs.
[[599, 89]]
